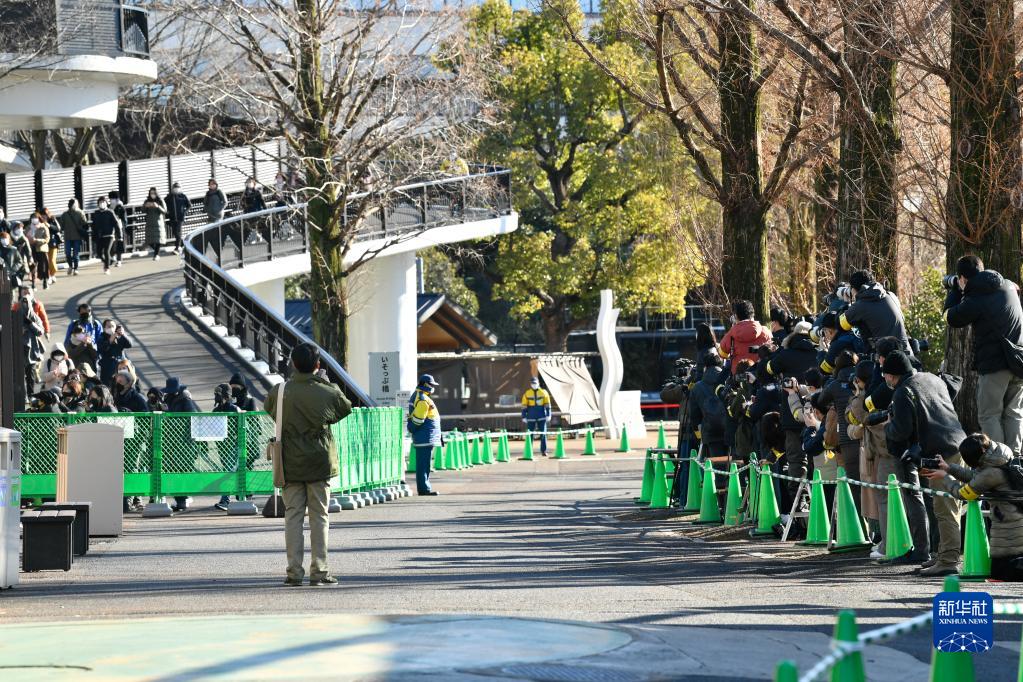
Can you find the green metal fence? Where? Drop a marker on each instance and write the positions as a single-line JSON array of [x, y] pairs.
[[213, 454]]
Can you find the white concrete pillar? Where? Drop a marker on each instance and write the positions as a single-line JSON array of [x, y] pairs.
[[270, 292], [383, 318]]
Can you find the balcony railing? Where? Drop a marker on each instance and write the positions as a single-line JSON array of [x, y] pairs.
[[40, 28]]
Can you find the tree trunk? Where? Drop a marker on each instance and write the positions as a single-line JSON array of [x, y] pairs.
[[801, 242], [984, 191], [867, 180], [743, 213], [555, 329], [328, 287], [825, 187]]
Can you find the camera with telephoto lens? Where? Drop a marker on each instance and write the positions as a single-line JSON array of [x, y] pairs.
[[950, 282], [875, 418], [846, 293], [684, 369]]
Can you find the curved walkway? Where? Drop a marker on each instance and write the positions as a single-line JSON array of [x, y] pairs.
[[140, 295]]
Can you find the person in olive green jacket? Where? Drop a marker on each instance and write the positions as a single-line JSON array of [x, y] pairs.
[[311, 405]]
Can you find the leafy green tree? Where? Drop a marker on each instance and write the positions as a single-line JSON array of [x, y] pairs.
[[592, 175], [440, 275], [925, 318]]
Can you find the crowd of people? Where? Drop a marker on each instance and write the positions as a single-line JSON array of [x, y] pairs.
[[845, 388]]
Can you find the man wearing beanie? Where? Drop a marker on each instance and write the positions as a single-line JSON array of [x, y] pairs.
[[922, 414]]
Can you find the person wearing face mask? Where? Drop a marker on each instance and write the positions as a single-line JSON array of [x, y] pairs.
[[177, 211], [536, 411], [57, 367], [240, 394], [100, 400], [223, 402], [81, 348], [39, 236], [74, 396], [117, 206], [14, 266], [25, 293], [56, 241], [281, 194], [178, 399], [155, 211], [252, 198], [75, 227], [923, 419], [105, 225], [32, 343], [214, 202], [113, 342], [5, 226], [423, 422], [127, 398], [124, 365], [22, 242], [87, 323]]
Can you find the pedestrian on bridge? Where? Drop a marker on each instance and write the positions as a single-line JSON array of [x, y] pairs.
[[177, 210], [155, 211], [105, 224], [39, 235], [424, 425], [123, 232], [75, 226], [536, 411], [214, 202], [56, 241], [311, 404], [11, 258], [24, 246]]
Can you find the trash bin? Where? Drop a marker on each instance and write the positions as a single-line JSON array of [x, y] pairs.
[[90, 468], [10, 505]]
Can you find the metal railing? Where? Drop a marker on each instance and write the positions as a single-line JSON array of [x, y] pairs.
[[73, 27], [282, 231]]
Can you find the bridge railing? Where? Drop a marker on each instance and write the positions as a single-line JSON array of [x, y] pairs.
[[211, 453], [211, 251]]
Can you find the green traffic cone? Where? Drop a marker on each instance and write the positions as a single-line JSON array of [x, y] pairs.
[[734, 498], [768, 515], [976, 549], [951, 666], [710, 512], [659, 494], [818, 525], [624, 445], [527, 448], [752, 510], [898, 541], [849, 535], [447, 458], [850, 668], [477, 456], [488, 450], [411, 468], [438, 458], [590, 449], [559, 446], [503, 455], [662, 439], [786, 672], [466, 456], [648, 480], [694, 487]]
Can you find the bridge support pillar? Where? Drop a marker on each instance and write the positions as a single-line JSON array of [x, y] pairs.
[[383, 300]]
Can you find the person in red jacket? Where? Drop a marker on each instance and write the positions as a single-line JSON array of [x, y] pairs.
[[745, 336], [37, 306]]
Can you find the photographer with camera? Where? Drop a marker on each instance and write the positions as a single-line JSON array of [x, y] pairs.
[[873, 310], [986, 474], [706, 410], [737, 394], [781, 325], [990, 303], [838, 341], [745, 337], [923, 424], [837, 393]]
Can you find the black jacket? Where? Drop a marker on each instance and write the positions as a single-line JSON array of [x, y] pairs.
[[252, 201], [104, 223], [177, 207], [922, 412], [181, 402], [991, 304], [706, 409], [229, 408], [772, 398], [876, 313], [797, 355], [838, 392], [131, 401]]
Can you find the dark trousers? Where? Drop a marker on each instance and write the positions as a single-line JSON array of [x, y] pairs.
[[72, 248], [424, 460], [797, 459], [42, 260], [175, 226], [539, 426], [1007, 568], [106, 251], [916, 512]]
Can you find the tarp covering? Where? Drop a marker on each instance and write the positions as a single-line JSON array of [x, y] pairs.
[[571, 387]]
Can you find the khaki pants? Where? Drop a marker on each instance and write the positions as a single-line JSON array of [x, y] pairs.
[[1000, 407], [297, 498], [947, 512]]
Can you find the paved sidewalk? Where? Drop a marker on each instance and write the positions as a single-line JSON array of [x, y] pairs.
[[525, 543], [167, 342]]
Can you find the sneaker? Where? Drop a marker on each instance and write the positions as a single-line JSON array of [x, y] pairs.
[[117, 264], [929, 562], [429, 493], [876, 555], [222, 506], [75, 272], [156, 257], [939, 569], [325, 580], [106, 271], [293, 582], [71, 271]]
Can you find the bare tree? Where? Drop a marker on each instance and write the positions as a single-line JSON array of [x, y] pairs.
[[353, 87]]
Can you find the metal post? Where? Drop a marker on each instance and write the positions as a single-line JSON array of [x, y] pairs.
[[157, 506], [242, 506]]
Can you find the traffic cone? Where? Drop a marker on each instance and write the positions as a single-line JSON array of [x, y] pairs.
[[976, 549], [710, 513], [589, 449], [734, 498], [527, 448], [477, 456], [849, 535], [767, 510], [662, 439], [752, 509], [951, 666], [659, 494], [850, 668], [786, 672], [466, 457], [488, 449], [411, 468], [898, 541], [559, 446], [818, 525], [445, 459], [438, 457], [694, 487], [502, 448], [648, 480], [624, 445]]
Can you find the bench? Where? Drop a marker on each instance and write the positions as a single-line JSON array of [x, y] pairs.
[[81, 528], [47, 539]]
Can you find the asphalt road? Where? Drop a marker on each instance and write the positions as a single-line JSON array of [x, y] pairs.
[[542, 540]]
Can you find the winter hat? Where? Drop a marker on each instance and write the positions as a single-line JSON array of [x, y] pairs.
[[829, 320], [236, 380], [172, 386], [865, 371], [802, 327], [897, 363]]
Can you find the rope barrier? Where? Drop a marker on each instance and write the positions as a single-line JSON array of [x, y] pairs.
[[842, 649]]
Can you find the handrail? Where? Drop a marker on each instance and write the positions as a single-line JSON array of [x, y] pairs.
[[265, 235]]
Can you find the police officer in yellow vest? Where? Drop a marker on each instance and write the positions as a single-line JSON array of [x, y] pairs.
[[424, 425], [536, 411]]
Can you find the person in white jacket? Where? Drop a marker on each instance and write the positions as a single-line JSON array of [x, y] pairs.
[[56, 367]]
